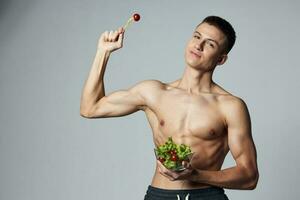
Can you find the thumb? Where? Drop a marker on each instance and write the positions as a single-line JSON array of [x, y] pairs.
[[120, 39], [186, 164]]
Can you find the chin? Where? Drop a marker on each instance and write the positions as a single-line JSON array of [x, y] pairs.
[[192, 63], [197, 66]]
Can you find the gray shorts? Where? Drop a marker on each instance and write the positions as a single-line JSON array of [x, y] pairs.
[[211, 193]]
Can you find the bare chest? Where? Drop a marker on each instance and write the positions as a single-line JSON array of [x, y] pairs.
[[190, 116]]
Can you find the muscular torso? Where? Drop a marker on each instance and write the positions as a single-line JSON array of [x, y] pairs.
[[194, 120]]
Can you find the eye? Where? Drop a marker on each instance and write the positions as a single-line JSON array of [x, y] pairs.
[[196, 36], [210, 44]]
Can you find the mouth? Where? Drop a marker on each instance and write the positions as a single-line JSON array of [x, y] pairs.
[[195, 54]]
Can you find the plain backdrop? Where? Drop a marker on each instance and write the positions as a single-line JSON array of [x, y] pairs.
[[48, 151]]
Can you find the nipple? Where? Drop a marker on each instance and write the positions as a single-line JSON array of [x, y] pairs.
[[212, 132], [162, 122]]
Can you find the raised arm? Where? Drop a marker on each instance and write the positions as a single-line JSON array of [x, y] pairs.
[[119, 103], [94, 90], [94, 102]]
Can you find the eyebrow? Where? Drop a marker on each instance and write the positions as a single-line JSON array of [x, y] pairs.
[[208, 38]]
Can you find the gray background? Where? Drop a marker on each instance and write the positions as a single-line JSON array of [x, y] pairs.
[[47, 151]]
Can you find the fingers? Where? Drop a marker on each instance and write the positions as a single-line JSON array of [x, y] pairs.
[[113, 36], [165, 172], [121, 30], [173, 176]]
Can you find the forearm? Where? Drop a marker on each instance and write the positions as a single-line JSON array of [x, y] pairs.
[[231, 178], [93, 89]]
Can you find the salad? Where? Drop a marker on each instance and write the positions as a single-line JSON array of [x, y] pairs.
[[171, 155]]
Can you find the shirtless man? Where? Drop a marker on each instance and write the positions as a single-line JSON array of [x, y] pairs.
[[194, 110]]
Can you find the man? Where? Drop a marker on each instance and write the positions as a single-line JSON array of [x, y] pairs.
[[194, 110]]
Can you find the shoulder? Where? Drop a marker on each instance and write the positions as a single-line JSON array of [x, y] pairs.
[[227, 99], [149, 85], [230, 99], [232, 103], [231, 106], [234, 109], [149, 90]]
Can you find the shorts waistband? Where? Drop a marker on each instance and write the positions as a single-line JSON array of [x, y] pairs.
[[193, 192]]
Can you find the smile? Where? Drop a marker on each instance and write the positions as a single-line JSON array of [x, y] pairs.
[[196, 55]]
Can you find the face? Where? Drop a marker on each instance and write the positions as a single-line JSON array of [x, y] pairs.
[[205, 48]]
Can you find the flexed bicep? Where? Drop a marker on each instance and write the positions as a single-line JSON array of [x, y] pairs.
[[117, 104], [125, 102]]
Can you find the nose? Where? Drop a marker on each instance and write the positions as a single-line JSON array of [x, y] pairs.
[[199, 45]]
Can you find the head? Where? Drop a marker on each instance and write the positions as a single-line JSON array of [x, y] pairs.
[[210, 43]]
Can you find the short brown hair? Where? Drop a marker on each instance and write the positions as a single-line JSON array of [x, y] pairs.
[[223, 26]]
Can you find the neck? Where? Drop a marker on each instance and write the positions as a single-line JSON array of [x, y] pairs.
[[195, 81]]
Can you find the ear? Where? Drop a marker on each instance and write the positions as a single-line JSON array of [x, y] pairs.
[[222, 59]]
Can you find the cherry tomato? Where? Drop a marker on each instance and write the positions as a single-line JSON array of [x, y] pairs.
[[174, 152], [161, 160], [136, 17], [174, 157]]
